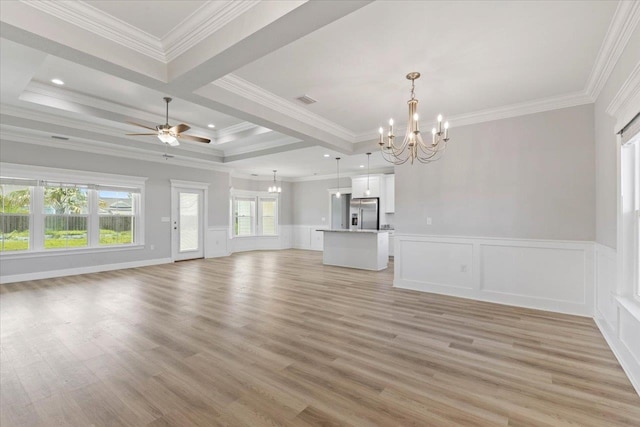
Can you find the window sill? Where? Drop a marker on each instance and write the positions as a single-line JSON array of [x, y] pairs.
[[62, 252], [631, 305]]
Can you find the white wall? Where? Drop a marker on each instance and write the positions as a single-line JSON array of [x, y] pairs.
[[617, 312]]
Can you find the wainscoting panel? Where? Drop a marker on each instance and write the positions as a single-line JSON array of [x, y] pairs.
[[617, 316], [437, 263], [260, 243], [547, 275], [216, 242], [606, 272], [306, 237]]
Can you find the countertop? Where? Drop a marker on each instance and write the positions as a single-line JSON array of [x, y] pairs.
[[354, 231]]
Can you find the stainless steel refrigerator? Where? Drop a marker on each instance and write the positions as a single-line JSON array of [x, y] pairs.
[[365, 214]]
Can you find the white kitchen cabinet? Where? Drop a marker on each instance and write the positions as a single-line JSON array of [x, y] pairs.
[[359, 186], [390, 193]]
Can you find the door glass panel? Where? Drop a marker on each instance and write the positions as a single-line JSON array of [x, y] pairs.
[[189, 222]]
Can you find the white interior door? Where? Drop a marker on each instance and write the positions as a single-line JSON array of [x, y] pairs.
[[187, 223]]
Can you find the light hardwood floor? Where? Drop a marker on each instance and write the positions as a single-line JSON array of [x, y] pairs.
[[276, 338]]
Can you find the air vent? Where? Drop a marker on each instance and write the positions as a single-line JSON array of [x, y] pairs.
[[61, 138], [254, 174], [306, 99]]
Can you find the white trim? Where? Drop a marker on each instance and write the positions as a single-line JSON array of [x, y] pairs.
[[255, 93], [5, 256], [177, 184], [622, 26], [15, 170], [468, 266], [127, 152], [217, 242], [202, 23], [82, 270], [92, 19], [199, 185], [628, 363]]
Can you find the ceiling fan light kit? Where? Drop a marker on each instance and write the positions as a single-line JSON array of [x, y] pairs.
[[168, 134], [413, 147]]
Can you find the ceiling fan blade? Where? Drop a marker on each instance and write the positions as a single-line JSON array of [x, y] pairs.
[[140, 134], [142, 126], [194, 138], [180, 128]]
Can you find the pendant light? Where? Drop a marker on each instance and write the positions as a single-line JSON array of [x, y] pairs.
[[275, 188], [368, 191], [338, 168]]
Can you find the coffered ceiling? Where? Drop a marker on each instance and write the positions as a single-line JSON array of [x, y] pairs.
[[240, 65]]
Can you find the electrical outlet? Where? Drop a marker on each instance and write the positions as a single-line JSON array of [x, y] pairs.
[[463, 268], [153, 247]]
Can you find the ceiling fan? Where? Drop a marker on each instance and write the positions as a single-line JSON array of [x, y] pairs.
[[168, 134]]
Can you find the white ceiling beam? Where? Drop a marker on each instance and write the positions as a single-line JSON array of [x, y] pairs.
[[263, 29]]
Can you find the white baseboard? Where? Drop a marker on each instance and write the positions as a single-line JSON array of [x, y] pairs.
[[541, 274], [82, 270], [629, 364]]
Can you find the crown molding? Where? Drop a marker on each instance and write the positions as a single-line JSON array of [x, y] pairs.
[[376, 171], [69, 96], [237, 128], [623, 24], [202, 23], [255, 93], [260, 146], [260, 178], [92, 19], [504, 112], [628, 91], [48, 118], [97, 147]]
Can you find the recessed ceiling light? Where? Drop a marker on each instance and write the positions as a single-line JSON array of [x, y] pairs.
[[211, 125], [57, 82], [361, 166], [327, 155]]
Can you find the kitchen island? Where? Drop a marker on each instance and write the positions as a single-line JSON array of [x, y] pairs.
[[363, 249]]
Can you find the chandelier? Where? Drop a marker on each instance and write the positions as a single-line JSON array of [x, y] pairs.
[[413, 146], [275, 188]]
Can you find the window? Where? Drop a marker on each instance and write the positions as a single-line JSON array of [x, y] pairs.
[[268, 216], [42, 215], [66, 214], [116, 216], [254, 214], [15, 212], [244, 217]]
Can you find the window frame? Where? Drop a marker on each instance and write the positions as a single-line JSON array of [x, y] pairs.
[[257, 197], [94, 180], [260, 219]]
